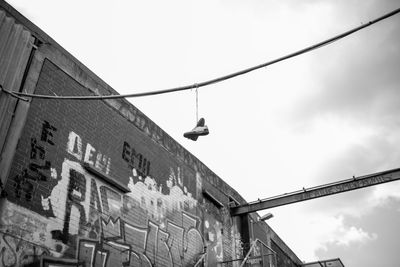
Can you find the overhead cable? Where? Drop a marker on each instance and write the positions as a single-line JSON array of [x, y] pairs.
[[13, 94], [215, 80]]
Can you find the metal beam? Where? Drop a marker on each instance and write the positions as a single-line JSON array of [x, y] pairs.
[[318, 191]]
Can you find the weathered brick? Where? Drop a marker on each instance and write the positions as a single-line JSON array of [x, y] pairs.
[[164, 220]]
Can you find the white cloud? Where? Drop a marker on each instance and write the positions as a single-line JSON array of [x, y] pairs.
[[383, 193], [350, 235], [323, 230], [333, 230]]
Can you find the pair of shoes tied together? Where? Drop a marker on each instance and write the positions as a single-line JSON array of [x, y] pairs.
[[197, 131]]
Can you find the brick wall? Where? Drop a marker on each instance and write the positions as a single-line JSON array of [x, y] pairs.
[[56, 206], [144, 205], [282, 258]]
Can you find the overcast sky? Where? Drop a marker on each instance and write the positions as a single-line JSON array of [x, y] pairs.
[[320, 117]]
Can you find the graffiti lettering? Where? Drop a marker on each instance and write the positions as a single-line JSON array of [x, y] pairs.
[[47, 134], [15, 252], [91, 156], [36, 150], [39, 168], [135, 160], [145, 227], [89, 202], [39, 176], [123, 244], [59, 262], [76, 194]]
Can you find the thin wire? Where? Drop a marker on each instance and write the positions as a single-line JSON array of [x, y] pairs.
[[197, 105], [219, 79]]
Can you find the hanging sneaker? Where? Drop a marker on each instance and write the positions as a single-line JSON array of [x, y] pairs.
[[197, 131]]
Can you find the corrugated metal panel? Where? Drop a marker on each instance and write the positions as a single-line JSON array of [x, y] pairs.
[[15, 48]]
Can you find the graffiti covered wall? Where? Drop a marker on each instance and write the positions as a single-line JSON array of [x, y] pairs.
[[57, 207]]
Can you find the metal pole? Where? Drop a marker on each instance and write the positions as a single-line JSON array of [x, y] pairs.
[[262, 255], [248, 253], [318, 191]]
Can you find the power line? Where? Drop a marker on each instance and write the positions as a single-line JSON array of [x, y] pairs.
[[212, 81]]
